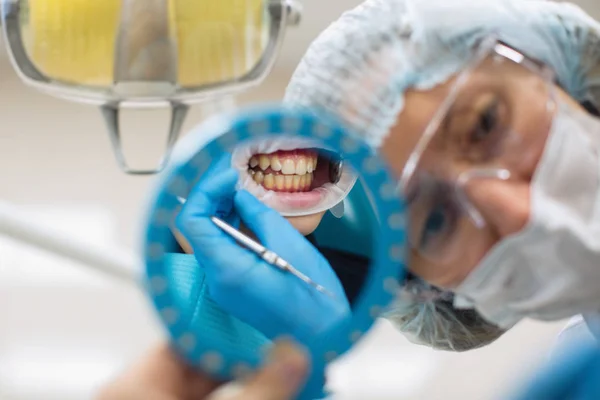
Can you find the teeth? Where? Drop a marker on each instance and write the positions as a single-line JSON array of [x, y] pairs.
[[283, 183], [288, 167], [259, 177], [301, 166], [296, 183], [279, 182], [269, 182], [295, 173], [288, 182], [276, 163], [264, 162], [303, 182]]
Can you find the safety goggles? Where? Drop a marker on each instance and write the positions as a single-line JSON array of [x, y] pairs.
[[144, 53], [492, 125]]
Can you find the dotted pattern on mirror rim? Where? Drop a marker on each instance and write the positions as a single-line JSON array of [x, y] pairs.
[[386, 268]]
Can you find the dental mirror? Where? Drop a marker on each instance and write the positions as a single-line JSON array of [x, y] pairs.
[[324, 284]]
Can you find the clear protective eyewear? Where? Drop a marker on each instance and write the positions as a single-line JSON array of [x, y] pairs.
[[493, 125], [144, 53]]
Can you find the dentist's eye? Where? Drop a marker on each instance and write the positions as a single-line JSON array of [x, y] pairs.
[[474, 128], [484, 140], [487, 123], [439, 223]]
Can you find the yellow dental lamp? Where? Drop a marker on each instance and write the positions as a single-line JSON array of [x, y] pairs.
[[144, 53]]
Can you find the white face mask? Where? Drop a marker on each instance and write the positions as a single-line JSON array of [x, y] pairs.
[[551, 269]]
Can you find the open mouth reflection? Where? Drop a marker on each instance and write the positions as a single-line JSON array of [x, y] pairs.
[[295, 171]]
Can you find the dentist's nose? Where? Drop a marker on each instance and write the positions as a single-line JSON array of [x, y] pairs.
[[505, 205]]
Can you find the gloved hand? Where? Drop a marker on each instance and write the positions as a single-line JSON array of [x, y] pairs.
[[272, 301], [163, 375]]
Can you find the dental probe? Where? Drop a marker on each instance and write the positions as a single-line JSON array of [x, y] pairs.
[[267, 255], [270, 257]]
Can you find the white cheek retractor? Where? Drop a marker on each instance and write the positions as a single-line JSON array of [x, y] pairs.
[[332, 194]]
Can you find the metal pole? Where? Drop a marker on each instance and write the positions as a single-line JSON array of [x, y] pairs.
[[117, 264]]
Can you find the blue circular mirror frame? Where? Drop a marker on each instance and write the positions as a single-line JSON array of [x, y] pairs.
[[386, 270]]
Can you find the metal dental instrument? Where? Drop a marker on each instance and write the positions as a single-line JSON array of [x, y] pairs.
[[115, 263], [267, 255], [336, 165], [335, 170]]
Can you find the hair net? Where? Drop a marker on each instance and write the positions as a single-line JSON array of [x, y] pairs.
[[360, 67], [426, 315]]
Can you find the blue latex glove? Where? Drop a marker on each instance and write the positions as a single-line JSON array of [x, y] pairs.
[[272, 301], [575, 377]]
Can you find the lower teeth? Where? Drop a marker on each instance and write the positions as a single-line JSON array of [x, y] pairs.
[[283, 183]]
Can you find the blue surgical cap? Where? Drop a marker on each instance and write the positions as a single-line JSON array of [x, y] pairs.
[[362, 64]]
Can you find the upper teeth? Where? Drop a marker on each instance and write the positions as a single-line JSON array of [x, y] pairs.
[[287, 165]]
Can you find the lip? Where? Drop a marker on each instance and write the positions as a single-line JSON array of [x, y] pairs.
[[301, 201]]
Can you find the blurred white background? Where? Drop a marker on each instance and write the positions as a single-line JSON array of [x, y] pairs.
[[64, 330]]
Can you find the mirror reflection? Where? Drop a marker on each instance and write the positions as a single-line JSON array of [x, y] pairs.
[[276, 236]]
